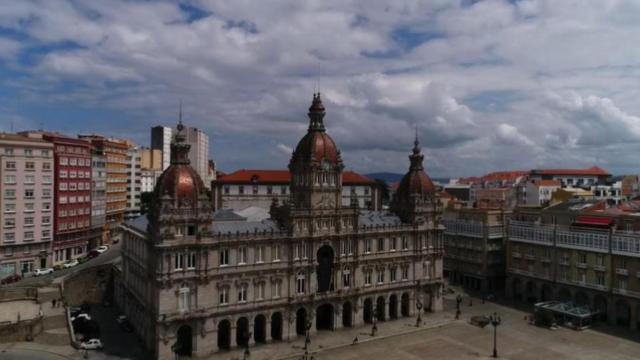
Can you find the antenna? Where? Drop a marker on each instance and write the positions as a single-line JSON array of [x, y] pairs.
[[180, 113]]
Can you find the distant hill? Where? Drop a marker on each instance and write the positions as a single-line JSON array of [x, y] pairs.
[[386, 176]]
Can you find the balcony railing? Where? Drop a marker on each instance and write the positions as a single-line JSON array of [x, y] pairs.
[[623, 272], [600, 268], [581, 265]]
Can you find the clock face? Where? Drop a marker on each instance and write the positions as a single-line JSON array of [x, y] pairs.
[[325, 165]]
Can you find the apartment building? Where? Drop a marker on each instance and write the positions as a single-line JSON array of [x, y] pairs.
[[474, 242], [134, 182], [99, 197], [582, 252], [115, 151], [26, 196]]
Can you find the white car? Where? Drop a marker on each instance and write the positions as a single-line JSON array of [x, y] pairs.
[[43, 271], [91, 344], [70, 263], [83, 315], [102, 248]]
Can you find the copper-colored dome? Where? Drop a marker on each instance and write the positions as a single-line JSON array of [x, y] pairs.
[[180, 182], [318, 146], [416, 182]]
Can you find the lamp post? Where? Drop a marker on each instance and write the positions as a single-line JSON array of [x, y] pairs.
[[495, 321], [419, 308], [247, 352]]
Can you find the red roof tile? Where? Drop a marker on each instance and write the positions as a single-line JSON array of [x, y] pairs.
[[594, 170], [249, 176]]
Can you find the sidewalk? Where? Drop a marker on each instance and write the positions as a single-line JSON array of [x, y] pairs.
[[324, 340]]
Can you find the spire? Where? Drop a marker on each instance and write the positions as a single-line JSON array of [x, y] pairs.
[[316, 114], [416, 158], [179, 148]]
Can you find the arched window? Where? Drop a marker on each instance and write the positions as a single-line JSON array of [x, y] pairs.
[[300, 283]]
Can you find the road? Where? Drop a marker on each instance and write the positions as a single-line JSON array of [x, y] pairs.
[[108, 256]]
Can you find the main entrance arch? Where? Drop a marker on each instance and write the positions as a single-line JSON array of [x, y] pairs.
[[347, 314], [301, 321], [260, 329], [325, 268], [324, 317], [404, 306], [184, 344], [224, 335], [276, 326], [393, 306], [380, 308], [367, 311], [242, 332]]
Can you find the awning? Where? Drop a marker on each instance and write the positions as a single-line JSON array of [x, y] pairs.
[[594, 220]]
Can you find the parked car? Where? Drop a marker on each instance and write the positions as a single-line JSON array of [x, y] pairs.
[[121, 318], [93, 253], [43, 271], [81, 315], [71, 263], [102, 248], [10, 279], [92, 344]]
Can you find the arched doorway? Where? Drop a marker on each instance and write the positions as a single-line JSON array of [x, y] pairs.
[[582, 299], [183, 346], [324, 317], [564, 295], [242, 332], [600, 305], [380, 308], [260, 329], [623, 313], [546, 293], [325, 268], [301, 321], [531, 292], [224, 335], [347, 314], [404, 304], [367, 311], [393, 306], [276, 326], [517, 289]]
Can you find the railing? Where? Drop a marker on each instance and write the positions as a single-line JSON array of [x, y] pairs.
[[581, 265], [530, 232], [624, 272], [600, 268], [625, 243]]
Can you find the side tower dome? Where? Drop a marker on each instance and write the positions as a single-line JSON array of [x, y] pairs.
[[180, 205], [416, 192]]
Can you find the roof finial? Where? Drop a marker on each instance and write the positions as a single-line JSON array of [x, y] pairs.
[[180, 113], [416, 143]]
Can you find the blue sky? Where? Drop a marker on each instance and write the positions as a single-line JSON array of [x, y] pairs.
[[490, 85]]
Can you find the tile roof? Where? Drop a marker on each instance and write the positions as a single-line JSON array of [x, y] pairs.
[[594, 170], [546, 182], [250, 176], [494, 176]]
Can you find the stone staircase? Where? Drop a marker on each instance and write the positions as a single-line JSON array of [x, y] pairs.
[[54, 323]]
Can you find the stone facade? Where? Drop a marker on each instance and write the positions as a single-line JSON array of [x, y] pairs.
[[193, 286]]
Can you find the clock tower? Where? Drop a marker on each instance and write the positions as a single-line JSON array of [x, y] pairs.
[[316, 166]]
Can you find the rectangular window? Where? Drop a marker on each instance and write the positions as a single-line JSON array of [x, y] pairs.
[[392, 244], [260, 291], [183, 300], [226, 189], [28, 221], [380, 244], [10, 179], [259, 254], [405, 243], [241, 190], [29, 179], [10, 193], [224, 257], [346, 279], [405, 273], [28, 236], [28, 193], [9, 237], [8, 151], [10, 165], [300, 284], [9, 223], [367, 277], [178, 262], [269, 190], [276, 289], [392, 274], [47, 179], [224, 295], [381, 276], [255, 189], [29, 166], [46, 193], [600, 278], [276, 252], [191, 261], [283, 190], [242, 255], [622, 283], [242, 293], [10, 208], [367, 246]]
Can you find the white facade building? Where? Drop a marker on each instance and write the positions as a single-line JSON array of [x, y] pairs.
[[199, 154], [161, 140]]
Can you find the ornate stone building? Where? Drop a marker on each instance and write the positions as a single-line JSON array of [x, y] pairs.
[[194, 285]]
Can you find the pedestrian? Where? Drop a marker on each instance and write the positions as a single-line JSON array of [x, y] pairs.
[[53, 303]]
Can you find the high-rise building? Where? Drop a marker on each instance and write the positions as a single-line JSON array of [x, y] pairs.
[[161, 140], [26, 193], [151, 159], [134, 182], [99, 197], [199, 154], [72, 194], [115, 150]]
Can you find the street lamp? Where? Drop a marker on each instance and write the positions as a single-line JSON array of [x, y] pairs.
[[419, 307], [458, 301], [247, 352], [495, 321]]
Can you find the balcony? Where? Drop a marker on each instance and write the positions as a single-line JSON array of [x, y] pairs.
[[581, 265], [623, 272], [563, 262], [601, 268], [546, 259], [516, 255], [530, 257]]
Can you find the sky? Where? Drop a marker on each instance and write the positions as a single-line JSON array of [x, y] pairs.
[[489, 85]]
